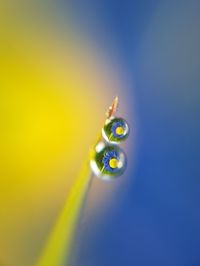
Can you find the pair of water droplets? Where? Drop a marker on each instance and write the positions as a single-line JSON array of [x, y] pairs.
[[108, 160]]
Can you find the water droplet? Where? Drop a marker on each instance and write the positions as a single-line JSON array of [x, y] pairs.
[[115, 130], [108, 161]]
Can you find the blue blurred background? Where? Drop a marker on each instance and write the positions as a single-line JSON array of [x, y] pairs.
[[154, 218]]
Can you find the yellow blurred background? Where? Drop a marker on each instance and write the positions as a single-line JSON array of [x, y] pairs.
[[54, 90]]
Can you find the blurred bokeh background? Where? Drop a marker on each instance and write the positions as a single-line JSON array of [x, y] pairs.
[[61, 64]]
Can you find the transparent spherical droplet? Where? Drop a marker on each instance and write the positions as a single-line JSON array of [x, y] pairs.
[[115, 130], [108, 161]]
